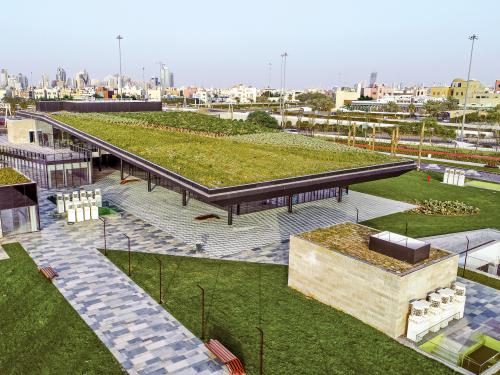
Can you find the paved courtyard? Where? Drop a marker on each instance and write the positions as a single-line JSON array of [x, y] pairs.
[[251, 235], [143, 336]]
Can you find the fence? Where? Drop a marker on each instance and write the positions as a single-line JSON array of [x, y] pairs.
[[51, 170]]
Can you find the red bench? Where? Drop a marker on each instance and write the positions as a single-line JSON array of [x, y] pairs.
[[232, 363], [48, 272]]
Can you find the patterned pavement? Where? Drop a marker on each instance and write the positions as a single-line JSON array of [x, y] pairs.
[[493, 176], [142, 335], [252, 236], [457, 242]]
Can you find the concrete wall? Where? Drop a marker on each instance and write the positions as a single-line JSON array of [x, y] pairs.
[[18, 130], [369, 293]]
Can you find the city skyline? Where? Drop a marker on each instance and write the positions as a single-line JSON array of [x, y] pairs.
[[219, 48]]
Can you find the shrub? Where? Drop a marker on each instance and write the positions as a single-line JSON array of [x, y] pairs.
[[447, 208], [262, 118]]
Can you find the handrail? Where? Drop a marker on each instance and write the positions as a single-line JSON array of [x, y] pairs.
[[419, 336]]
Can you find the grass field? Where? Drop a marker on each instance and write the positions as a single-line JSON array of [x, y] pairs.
[[216, 162], [10, 176], [302, 336], [479, 278], [40, 333], [413, 186], [484, 185]]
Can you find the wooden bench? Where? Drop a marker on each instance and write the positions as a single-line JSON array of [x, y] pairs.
[[232, 363], [48, 272]]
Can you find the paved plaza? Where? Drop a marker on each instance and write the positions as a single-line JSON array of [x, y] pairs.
[[457, 242], [143, 336], [251, 234]]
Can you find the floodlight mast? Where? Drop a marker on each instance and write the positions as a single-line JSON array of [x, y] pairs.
[[473, 38], [120, 79]]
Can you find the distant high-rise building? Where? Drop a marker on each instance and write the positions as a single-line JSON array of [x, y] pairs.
[[22, 82], [82, 79], [4, 78], [373, 79], [61, 76], [44, 83], [166, 77]]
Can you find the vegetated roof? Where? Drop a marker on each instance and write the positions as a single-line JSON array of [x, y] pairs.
[[221, 161], [9, 176], [189, 121], [352, 239]]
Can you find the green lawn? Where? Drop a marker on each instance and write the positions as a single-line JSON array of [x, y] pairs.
[[217, 162], [40, 333], [479, 278], [413, 186], [9, 176], [302, 336], [484, 185]]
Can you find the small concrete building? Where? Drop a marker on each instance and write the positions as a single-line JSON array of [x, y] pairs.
[[334, 266]]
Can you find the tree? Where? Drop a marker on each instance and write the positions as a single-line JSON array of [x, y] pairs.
[[391, 107], [262, 118], [412, 109]]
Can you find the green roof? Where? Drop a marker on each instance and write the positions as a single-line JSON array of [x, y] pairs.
[[216, 161], [9, 176]]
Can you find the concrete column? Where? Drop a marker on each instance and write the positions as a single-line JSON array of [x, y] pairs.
[[230, 215], [238, 209], [290, 204], [149, 181], [184, 197], [121, 169], [339, 195]]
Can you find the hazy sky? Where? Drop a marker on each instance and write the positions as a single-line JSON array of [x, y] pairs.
[[221, 43]]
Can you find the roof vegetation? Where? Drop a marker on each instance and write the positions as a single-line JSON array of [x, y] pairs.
[[9, 176], [221, 161], [190, 121], [352, 239]]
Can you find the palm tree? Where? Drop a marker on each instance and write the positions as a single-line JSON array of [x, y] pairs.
[[412, 109]]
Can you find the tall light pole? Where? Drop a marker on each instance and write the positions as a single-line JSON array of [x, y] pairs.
[[473, 38], [283, 88], [120, 79], [269, 81]]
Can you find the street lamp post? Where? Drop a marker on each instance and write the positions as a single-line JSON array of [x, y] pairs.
[[128, 240], [269, 81], [120, 79], [283, 87], [104, 230], [160, 301], [473, 38]]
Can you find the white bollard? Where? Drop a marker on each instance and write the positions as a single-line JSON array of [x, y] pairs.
[[461, 178], [446, 174]]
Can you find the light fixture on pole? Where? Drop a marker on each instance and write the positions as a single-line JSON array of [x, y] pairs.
[[473, 38], [120, 78], [269, 81], [283, 89]]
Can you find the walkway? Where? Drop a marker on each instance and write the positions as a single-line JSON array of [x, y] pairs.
[[457, 242], [469, 173], [250, 233], [142, 335]]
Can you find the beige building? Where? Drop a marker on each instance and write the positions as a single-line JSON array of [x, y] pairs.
[[372, 293], [342, 97], [440, 92], [477, 95]]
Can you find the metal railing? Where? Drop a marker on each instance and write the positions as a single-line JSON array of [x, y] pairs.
[[422, 334]]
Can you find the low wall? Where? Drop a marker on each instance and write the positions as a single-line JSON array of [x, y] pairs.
[[99, 106], [372, 294]]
